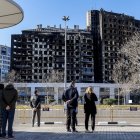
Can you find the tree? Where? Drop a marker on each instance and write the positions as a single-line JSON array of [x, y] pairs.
[[127, 69], [12, 76], [55, 76], [131, 49]]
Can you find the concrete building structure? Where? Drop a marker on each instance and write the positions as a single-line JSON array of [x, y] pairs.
[[55, 90], [36, 52], [91, 53], [110, 30], [5, 56]]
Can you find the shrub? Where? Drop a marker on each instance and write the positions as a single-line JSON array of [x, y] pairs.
[[109, 101]]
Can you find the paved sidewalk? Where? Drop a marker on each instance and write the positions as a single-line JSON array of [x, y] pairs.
[[58, 132]]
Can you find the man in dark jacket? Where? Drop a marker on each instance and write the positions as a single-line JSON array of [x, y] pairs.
[[9, 98], [1, 91], [70, 97], [35, 104]]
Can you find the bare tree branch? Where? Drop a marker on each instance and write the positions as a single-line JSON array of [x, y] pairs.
[[127, 69], [55, 76]]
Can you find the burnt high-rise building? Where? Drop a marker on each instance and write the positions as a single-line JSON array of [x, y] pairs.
[[110, 30], [91, 53], [36, 52]]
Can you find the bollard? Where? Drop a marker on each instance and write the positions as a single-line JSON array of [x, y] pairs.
[[111, 116], [111, 113], [24, 116]]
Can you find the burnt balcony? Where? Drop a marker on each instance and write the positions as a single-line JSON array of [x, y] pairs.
[[87, 54], [87, 60], [24, 66], [87, 73], [59, 60], [87, 80], [26, 73]]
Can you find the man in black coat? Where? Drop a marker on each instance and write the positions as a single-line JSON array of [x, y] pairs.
[[70, 97], [1, 91], [35, 104], [9, 98]]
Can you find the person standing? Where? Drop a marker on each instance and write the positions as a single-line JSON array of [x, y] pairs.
[[9, 97], [76, 120], [35, 104], [1, 91], [90, 108], [70, 97]]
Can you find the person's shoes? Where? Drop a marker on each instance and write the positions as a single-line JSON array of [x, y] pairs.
[[87, 131], [68, 130], [74, 131], [11, 137], [3, 137]]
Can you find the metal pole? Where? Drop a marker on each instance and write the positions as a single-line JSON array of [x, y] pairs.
[[47, 99], [65, 78], [118, 96], [65, 18], [124, 99]]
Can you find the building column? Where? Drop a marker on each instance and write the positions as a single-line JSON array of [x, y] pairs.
[[32, 91], [96, 90], [127, 97], [56, 94], [112, 94], [79, 90]]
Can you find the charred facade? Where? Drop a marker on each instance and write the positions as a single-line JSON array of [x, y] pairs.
[[110, 30], [36, 52]]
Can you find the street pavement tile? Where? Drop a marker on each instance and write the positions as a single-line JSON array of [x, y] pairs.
[[58, 132]]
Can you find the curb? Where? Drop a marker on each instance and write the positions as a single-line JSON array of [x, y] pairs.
[[113, 123], [53, 123]]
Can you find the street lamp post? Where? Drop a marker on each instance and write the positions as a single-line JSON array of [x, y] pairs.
[[65, 18], [118, 96]]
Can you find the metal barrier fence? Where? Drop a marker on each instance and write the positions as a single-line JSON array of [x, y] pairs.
[[109, 114]]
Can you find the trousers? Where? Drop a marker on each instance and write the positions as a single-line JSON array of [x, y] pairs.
[[7, 116], [38, 113], [87, 115], [71, 118]]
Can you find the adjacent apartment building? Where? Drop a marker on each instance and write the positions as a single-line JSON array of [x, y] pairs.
[[110, 30], [36, 52], [5, 53]]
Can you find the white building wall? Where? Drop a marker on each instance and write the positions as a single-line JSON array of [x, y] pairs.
[[96, 87]]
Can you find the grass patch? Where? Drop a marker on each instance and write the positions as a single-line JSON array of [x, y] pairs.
[[125, 107]]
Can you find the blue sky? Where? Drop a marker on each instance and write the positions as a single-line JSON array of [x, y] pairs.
[[50, 12]]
